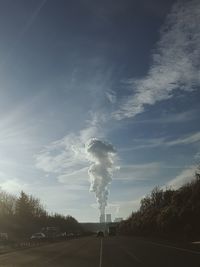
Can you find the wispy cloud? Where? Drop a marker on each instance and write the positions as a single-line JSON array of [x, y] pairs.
[[124, 208], [64, 154], [121, 208], [168, 118], [197, 157], [111, 96], [133, 172], [190, 139], [157, 142], [175, 61], [79, 176], [184, 177], [24, 30], [67, 157], [11, 184]]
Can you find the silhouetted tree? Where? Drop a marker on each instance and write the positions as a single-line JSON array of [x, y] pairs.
[[22, 216], [168, 213]]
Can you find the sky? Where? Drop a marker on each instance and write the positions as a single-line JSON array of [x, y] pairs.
[[121, 71]]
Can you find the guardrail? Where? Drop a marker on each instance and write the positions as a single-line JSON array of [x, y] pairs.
[[8, 245]]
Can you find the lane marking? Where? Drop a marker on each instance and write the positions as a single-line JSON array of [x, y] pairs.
[[101, 251], [172, 247], [130, 253], [67, 245], [64, 253], [36, 248], [133, 256]]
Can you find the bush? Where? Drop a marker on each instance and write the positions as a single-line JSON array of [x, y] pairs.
[[169, 213]]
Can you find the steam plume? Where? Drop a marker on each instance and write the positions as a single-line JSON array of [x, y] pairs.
[[100, 172]]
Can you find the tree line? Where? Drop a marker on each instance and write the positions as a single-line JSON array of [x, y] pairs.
[[22, 216], [172, 214]]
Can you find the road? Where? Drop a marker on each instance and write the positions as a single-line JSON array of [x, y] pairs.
[[103, 252]]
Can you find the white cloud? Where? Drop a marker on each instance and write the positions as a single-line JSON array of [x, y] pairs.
[[66, 154], [111, 96], [171, 117], [144, 143], [137, 171], [156, 142], [126, 207], [175, 61], [194, 138], [78, 176], [56, 198], [121, 208], [197, 157], [67, 157], [11, 184], [184, 177]]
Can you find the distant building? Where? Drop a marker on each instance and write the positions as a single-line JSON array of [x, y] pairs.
[[118, 219], [102, 218], [108, 218]]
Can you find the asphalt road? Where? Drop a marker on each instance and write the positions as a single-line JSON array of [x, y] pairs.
[[103, 252]]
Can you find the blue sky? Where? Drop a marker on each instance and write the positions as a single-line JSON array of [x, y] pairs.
[[126, 72]]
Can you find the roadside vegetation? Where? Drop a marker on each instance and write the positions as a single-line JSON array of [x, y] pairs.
[[22, 216], [171, 214]]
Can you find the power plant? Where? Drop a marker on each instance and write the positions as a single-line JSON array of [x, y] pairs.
[[108, 218], [105, 218]]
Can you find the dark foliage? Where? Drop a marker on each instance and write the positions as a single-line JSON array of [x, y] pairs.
[[168, 213], [21, 217]]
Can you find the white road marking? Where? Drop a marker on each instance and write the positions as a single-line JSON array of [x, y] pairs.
[[130, 253], [172, 247], [133, 256], [101, 251]]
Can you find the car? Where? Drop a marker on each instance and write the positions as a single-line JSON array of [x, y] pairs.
[[100, 234], [38, 236], [3, 236]]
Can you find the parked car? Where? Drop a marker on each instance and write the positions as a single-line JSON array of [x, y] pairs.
[[70, 235], [38, 236], [3, 236], [51, 233], [4, 239]]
